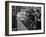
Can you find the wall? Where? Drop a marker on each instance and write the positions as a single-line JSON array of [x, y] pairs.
[[2, 18]]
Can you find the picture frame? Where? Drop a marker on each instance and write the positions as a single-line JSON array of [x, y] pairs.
[[17, 15]]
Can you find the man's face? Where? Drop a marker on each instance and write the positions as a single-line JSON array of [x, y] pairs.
[[21, 15]]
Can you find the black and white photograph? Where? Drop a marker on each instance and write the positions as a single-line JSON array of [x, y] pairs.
[[25, 18]]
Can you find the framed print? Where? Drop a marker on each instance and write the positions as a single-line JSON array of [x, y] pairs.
[[23, 18]]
